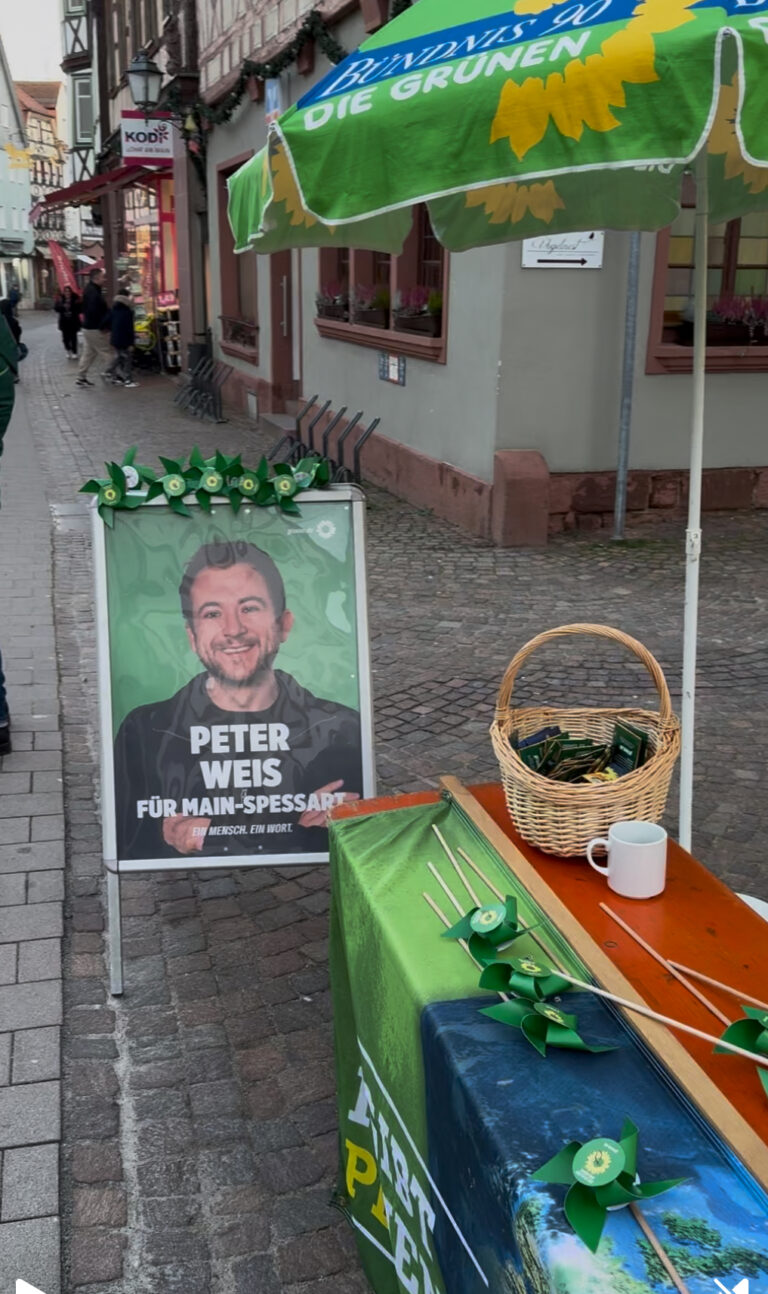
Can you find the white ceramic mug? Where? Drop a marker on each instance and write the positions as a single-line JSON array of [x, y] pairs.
[[637, 859]]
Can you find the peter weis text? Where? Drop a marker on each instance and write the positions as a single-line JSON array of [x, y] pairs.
[[254, 763]]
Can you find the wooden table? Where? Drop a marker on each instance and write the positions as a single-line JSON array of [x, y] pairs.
[[698, 921], [444, 1113]]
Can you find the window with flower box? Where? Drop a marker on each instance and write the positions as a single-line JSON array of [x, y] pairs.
[[239, 282], [393, 303], [737, 295]]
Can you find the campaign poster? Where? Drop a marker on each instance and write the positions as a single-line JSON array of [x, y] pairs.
[[235, 681]]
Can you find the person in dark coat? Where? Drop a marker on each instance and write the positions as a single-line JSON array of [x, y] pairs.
[[95, 311], [68, 309], [122, 337]]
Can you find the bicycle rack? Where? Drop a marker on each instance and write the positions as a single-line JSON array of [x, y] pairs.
[[303, 445]]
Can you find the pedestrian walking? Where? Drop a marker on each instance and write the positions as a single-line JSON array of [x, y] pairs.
[[9, 363], [68, 309], [122, 337], [95, 321]]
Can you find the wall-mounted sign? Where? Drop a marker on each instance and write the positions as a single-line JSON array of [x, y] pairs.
[[392, 368], [274, 99], [582, 251], [146, 142]]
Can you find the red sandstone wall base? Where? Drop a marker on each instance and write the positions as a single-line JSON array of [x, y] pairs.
[[526, 502], [584, 501]]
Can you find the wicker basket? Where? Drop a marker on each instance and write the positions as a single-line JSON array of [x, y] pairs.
[[559, 817]]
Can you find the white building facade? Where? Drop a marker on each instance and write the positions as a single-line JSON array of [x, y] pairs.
[[503, 413], [15, 196]]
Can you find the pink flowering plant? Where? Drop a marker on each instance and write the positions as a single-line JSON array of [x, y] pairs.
[[332, 294], [374, 296], [418, 301], [750, 311]]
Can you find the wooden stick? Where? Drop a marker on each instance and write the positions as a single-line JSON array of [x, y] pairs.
[[446, 889], [724, 988], [658, 1249], [667, 965], [667, 1020], [438, 911], [498, 894], [455, 864], [536, 938], [644, 1226], [641, 1221]]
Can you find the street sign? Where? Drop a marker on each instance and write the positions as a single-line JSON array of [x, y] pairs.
[[146, 141], [582, 251]]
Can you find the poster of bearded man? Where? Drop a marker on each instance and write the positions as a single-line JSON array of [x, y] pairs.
[[234, 681]]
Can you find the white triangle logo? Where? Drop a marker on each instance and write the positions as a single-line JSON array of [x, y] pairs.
[[23, 1287], [742, 1287]]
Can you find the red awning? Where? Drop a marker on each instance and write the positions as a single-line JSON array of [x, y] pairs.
[[84, 192], [64, 274]]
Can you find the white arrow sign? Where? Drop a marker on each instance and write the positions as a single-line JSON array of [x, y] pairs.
[[23, 1287]]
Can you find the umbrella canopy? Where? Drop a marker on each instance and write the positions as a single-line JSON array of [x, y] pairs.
[[536, 116], [532, 117]]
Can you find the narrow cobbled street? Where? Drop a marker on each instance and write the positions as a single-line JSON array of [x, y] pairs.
[[199, 1112]]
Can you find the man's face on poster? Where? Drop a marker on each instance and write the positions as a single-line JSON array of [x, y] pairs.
[[234, 628]]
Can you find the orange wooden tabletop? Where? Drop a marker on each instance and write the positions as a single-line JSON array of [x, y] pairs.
[[697, 921]]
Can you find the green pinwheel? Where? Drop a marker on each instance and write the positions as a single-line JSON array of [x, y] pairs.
[[752, 1035], [114, 491], [542, 1024], [601, 1174], [486, 928], [525, 977], [129, 485]]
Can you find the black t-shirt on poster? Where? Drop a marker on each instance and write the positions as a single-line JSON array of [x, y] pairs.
[[251, 774]]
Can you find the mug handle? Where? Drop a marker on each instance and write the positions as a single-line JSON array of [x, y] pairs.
[[599, 840]]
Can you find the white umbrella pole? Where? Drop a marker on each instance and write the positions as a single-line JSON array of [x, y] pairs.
[[693, 533]]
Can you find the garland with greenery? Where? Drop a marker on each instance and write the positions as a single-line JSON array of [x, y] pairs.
[[313, 28], [206, 115], [129, 485]]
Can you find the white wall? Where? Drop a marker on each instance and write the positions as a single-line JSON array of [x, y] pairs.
[[534, 356], [447, 411], [561, 376]]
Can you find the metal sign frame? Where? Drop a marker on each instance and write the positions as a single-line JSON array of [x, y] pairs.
[[114, 865]]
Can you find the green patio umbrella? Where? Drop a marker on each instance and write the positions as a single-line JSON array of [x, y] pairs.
[[530, 117]]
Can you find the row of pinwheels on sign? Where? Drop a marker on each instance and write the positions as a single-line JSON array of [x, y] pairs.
[[129, 485]]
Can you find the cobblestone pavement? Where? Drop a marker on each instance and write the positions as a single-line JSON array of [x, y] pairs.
[[199, 1121], [31, 881]]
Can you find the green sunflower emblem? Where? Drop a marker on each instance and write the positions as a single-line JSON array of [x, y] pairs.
[[285, 486], [487, 918], [109, 495], [174, 485], [212, 482], [247, 485]]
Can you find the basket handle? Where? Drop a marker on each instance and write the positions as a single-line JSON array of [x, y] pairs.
[[600, 631]]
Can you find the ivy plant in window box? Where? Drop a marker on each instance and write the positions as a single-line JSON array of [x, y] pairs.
[[332, 302], [371, 306], [420, 310]]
